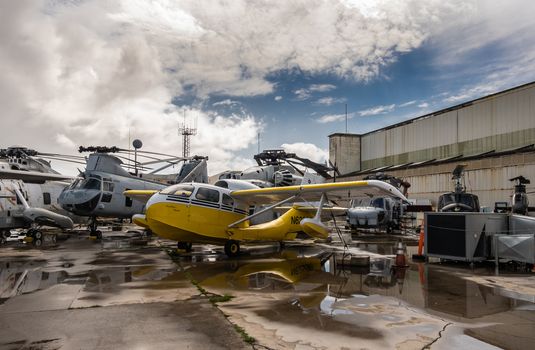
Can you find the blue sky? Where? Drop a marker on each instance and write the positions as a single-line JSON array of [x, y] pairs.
[[105, 72]]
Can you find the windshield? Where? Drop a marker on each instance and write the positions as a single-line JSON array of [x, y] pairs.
[[179, 190], [377, 203], [91, 184]]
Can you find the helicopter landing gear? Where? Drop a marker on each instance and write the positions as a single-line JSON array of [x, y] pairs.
[[93, 232], [36, 235], [187, 246], [4, 235]]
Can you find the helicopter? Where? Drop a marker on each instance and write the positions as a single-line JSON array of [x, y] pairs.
[[379, 211], [29, 191], [98, 190], [459, 200], [276, 168], [520, 201]]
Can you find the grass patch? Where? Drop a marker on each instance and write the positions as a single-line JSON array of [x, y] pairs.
[[220, 298], [246, 337]]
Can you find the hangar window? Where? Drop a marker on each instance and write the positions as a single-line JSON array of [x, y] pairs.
[[179, 190], [46, 198], [207, 194]]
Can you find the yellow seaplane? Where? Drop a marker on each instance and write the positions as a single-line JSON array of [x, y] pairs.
[[221, 214]]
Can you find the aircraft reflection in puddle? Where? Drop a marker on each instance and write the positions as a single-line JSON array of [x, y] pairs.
[[317, 280], [22, 277]]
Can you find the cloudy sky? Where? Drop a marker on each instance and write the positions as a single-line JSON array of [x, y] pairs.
[[96, 72]]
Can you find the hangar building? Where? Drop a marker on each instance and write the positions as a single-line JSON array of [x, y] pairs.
[[493, 135]]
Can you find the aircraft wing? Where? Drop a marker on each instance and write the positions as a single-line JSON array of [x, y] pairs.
[[32, 176], [334, 191], [140, 195]]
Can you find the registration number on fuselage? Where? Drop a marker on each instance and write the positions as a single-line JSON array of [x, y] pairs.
[[296, 220]]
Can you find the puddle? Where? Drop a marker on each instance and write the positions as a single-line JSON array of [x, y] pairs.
[[302, 288]]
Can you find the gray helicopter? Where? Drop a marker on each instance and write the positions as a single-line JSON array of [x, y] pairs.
[[277, 168], [459, 200], [29, 190], [98, 191], [378, 212]]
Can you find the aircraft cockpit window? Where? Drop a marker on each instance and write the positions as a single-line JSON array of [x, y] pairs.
[[207, 194], [179, 190], [378, 203], [91, 184], [75, 184], [227, 200], [107, 186]]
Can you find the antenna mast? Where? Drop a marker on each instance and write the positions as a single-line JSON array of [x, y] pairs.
[[186, 132]]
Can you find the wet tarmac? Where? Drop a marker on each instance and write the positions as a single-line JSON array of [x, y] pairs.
[[129, 292]]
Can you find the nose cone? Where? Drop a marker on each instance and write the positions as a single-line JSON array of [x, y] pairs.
[[80, 202]]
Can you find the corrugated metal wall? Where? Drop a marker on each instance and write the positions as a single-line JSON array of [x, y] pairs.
[[487, 177], [468, 130]]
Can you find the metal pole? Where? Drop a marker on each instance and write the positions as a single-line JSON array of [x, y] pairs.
[[346, 118], [496, 259]]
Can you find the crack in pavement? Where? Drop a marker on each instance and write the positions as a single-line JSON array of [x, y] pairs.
[[428, 346]]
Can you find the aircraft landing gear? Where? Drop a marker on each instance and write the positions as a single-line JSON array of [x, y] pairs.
[[4, 235], [36, 235], [93, 232], [232, 248], [187, 246]]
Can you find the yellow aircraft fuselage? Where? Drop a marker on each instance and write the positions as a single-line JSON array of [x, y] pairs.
[[186, 219]]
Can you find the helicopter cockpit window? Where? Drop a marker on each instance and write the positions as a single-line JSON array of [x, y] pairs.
[[378, 203], [207, 194], [107, 186], [179, 190], [91, 184], [76, 184]]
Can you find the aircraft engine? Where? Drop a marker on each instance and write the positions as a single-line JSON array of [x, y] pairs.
[[284, 178]]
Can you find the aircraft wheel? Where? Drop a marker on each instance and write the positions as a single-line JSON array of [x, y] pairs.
[[232, 248], [6, 234], [30, 232], [54, 239], [187, 246], [98, 234], [37, 242], [37, 235]]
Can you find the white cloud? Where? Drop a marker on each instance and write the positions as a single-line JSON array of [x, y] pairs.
[[327, 101], [277, 98], [330, 118], [408, 103], [63, 140], [377, 110], [302, 94], [321, 87], [423, 105], [307, 150], [227, 102]]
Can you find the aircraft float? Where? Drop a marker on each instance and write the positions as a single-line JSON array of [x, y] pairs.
[[200, 213]]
